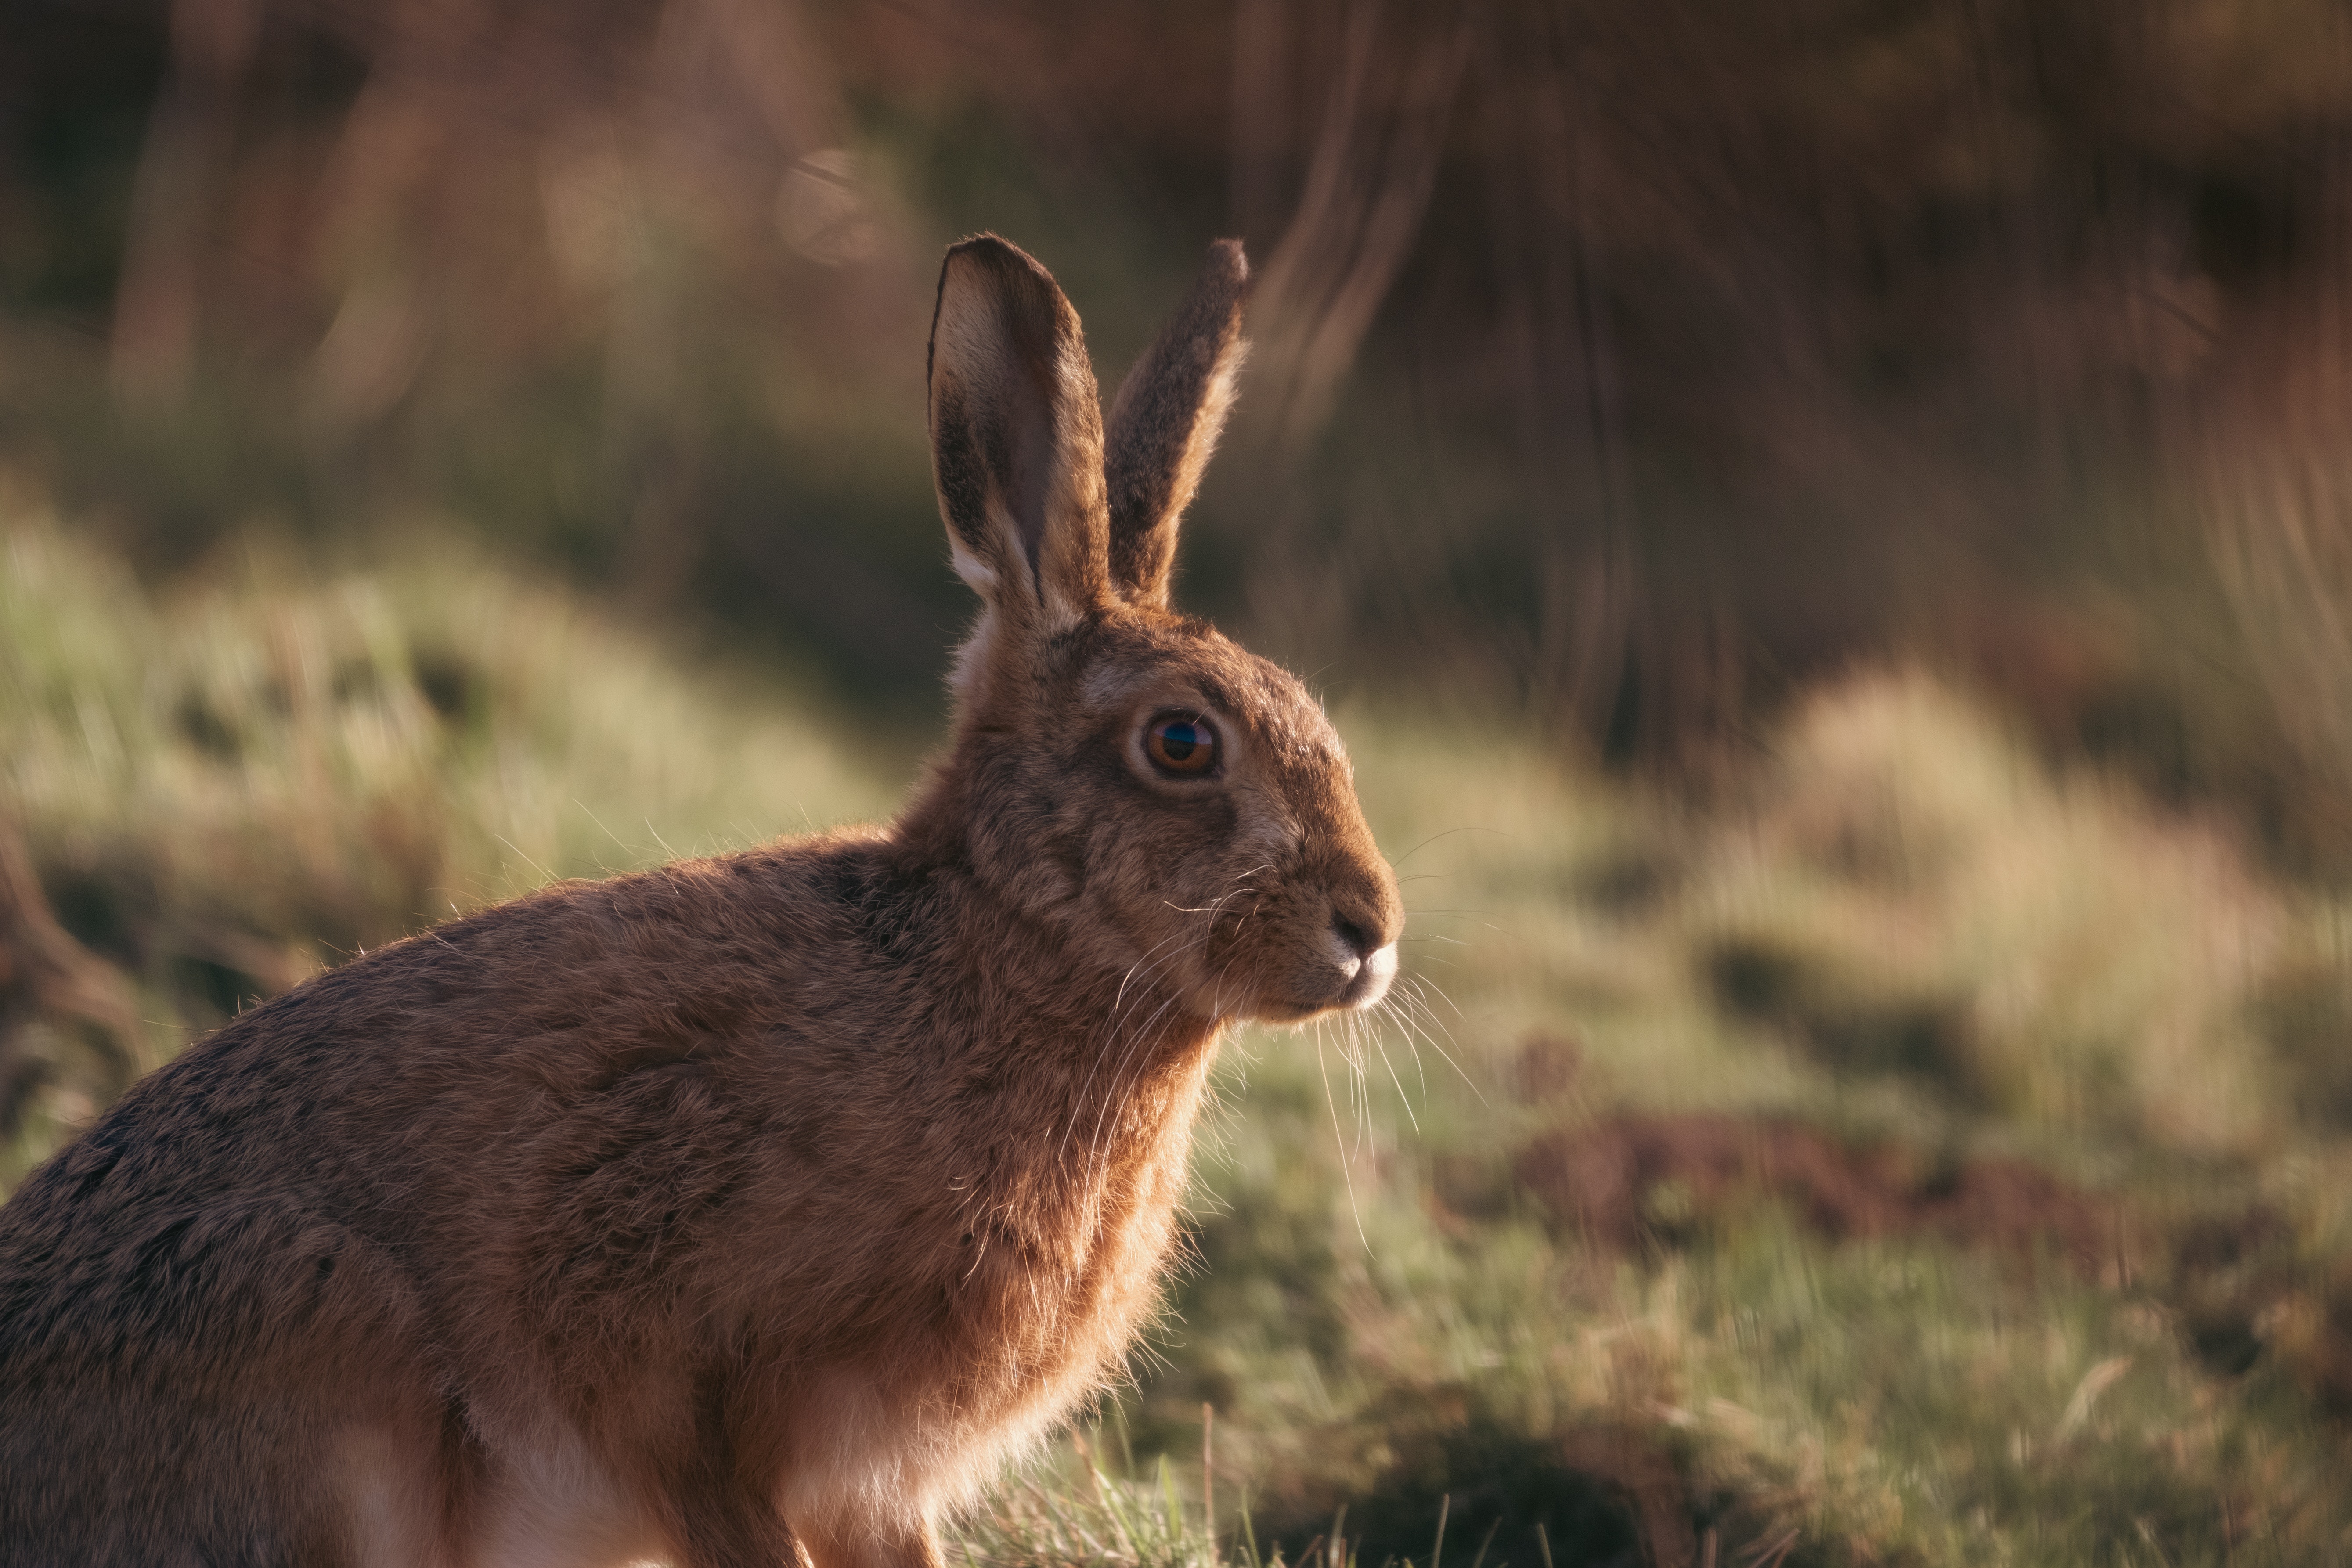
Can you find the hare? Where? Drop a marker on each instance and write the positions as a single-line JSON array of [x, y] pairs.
[[754, 1210]]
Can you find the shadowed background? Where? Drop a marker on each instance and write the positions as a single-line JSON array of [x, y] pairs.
[[1621, 364], [1853, 498]]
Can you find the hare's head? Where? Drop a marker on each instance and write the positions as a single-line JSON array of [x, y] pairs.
[[1122, 771]]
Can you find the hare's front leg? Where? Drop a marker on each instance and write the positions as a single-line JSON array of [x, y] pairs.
[[893, 1545], [739, 1533], [718, 1520]]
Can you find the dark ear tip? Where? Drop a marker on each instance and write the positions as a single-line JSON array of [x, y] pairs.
[[982, 243], [997, 253]]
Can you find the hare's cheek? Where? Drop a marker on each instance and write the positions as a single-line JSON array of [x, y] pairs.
[[1263, 838]]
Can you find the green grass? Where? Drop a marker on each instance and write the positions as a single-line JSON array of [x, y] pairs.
[[1902, 946]]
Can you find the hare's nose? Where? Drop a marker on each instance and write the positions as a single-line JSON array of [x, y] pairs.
[[1366, 924]]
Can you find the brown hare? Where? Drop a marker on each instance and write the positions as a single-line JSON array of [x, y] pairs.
[[751, 1210]]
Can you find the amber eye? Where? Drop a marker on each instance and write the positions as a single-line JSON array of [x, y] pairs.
[[1180, 745]]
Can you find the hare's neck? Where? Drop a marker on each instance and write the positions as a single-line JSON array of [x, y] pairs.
[[1090, 1167], [1094, 1070], [1078, 1059], [1104, 1057]]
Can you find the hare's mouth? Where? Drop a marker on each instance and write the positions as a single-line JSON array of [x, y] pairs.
[[1372, 979], [1356, 984]]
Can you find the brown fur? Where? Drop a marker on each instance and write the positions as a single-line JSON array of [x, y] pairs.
[[753, 1209]]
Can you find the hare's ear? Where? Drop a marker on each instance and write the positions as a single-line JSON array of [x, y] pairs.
[[1017, 438], [1165, 422]]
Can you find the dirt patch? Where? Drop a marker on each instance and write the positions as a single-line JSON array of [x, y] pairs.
[[1595, 1497], [1634, 1180], [2233, 1281]]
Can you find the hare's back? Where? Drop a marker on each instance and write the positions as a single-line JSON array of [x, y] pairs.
[[438, 1091]]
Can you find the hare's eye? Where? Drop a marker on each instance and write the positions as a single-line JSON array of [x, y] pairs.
[[1176, 744]]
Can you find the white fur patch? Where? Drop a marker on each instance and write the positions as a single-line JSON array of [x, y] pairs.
[[977, 575], [1380, 970], [549, 1505], [553, 1506], [972, 657]]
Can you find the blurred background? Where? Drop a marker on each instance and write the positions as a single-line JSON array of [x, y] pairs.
[[1828, 525]]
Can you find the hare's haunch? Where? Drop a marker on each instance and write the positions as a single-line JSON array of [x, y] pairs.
[[753, 1209]]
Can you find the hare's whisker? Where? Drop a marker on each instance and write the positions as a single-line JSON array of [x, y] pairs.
[[1413, 1035], [1139, 962], [1447, 834], [1347, 1170], [1403, 1098], [1430, 1020], [1210, 909], [1428, 985], [1358, 1086]]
